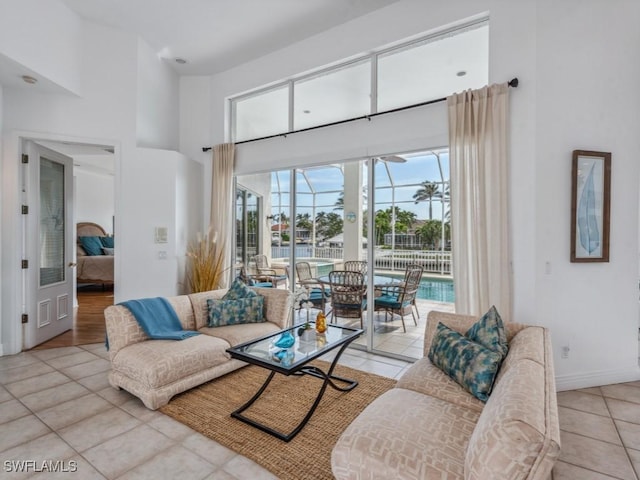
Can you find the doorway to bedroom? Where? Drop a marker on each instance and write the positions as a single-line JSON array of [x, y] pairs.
[[85, 257]]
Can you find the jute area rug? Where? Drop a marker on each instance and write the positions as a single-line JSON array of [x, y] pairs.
[[207, 409]]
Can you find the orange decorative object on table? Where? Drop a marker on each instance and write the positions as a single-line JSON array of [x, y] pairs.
[[321, 323]]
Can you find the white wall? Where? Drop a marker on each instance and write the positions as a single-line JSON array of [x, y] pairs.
[[44, 36], [163, 185], [105, 114], [157, 101], [94, 199], [196, 131], [574, 72], [587, 98]]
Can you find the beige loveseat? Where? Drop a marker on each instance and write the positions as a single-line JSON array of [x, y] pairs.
[[428, 427], [156, 370]]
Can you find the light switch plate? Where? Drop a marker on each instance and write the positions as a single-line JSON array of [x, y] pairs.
[[161, 234]]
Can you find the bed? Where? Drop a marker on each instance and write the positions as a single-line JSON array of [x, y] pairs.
[[92, 268]]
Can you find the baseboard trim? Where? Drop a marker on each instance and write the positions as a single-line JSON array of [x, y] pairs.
[[595, 379]]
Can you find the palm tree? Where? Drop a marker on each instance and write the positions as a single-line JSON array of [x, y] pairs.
[[427, 191], [339, 205]]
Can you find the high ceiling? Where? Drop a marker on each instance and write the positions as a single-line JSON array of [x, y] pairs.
[[216, 35]]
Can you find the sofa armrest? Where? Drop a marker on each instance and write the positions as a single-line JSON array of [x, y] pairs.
[[277, 305], [122, 329]]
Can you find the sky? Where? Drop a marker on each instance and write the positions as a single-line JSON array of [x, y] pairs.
[[406, 177]]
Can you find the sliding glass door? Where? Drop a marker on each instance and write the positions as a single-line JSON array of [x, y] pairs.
[[390, 214]]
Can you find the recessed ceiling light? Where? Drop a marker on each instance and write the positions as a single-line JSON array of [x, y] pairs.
[[461, 73], [181, 61], [29, 79]]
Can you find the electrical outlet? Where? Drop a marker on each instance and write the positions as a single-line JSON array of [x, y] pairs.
[[162, 255], [565, 351]]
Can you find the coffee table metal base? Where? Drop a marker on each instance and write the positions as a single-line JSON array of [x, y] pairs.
[[312, 370]]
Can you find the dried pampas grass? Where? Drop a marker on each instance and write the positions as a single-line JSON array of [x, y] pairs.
[[205, 263]]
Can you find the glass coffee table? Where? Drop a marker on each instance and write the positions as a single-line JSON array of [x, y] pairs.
[[295, 360]]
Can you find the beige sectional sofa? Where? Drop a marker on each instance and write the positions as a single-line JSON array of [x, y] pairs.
[[428, 427], [156, 370]]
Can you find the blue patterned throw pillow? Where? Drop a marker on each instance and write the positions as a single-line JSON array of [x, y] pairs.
[[237, 290], [233, 312], [470, 364], [489, 332]]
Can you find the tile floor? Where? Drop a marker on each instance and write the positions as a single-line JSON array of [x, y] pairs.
[[57, 404]]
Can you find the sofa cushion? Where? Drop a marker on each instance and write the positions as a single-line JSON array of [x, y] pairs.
[[424, 377], [489, 332], [200, 308], [237, 334], [516, 430], [156, 363], [182, 306], [233, 312], [468, 363], [405, 435]]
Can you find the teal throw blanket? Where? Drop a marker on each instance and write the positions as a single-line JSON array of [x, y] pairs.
[[158, 319]]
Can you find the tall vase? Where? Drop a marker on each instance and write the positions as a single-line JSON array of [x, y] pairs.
[[321, 323]]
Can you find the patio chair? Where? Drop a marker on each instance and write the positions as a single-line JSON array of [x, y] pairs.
[[400, 299], [252, 281], [347, 295], [318, 294], [356, 266], [265, 273]]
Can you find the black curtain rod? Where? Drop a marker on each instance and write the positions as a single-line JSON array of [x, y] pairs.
[[512, 83]]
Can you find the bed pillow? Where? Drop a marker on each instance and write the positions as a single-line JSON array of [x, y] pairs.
[[471, 365], [107, 242], [108, 251], [91, 245]]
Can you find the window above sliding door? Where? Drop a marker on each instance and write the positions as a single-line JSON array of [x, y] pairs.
[[414, 71]]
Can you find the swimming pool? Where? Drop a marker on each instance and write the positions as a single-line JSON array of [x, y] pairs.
[[434, 289]]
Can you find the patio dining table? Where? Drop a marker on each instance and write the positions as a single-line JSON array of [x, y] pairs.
[[379, 281]]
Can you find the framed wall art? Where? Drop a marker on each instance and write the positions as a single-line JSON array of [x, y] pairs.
[[590, 206]]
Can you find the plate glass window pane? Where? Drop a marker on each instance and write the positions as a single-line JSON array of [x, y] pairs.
[[332, 96], [52, 222], [261, 115], [433, 70]]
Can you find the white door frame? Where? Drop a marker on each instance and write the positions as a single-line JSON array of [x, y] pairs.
[[12, 287]]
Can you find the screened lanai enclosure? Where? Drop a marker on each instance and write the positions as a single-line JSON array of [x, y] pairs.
[[390, 213]]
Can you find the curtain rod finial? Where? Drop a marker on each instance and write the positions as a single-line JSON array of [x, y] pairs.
[[514, 82], [206, 149]]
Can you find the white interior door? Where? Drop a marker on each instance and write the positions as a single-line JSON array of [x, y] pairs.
[[49, 243]]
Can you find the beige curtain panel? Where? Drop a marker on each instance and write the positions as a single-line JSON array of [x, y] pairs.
[[478, 127], [221, 220]]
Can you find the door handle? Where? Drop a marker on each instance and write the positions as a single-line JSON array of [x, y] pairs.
[[72, 264]]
